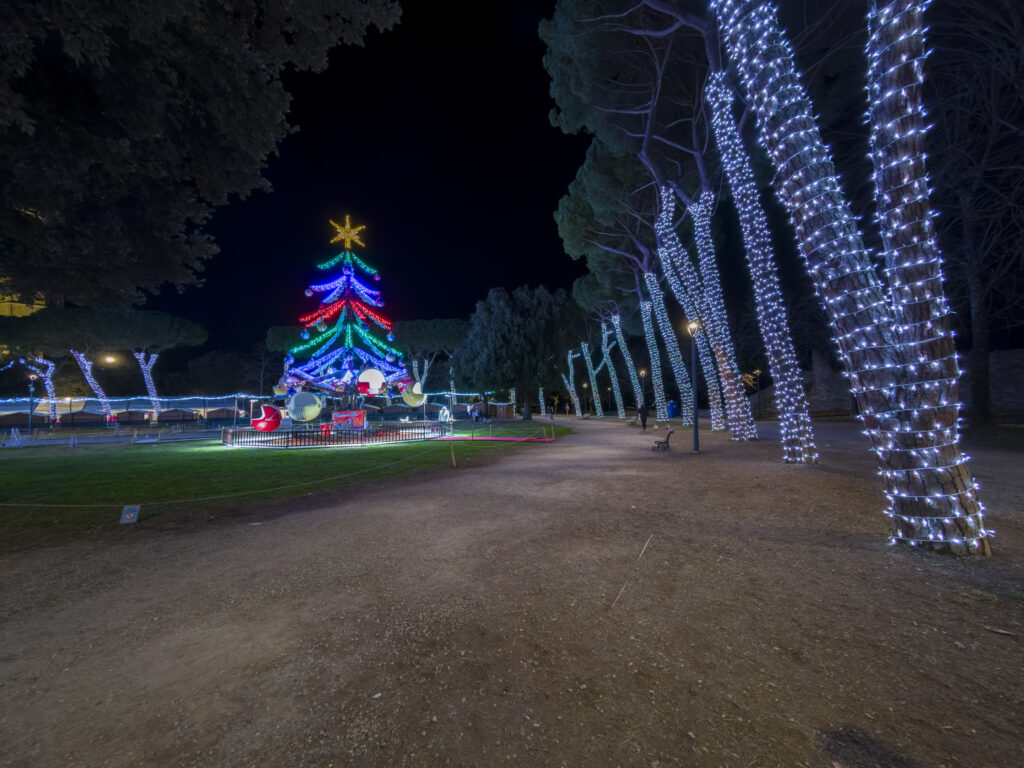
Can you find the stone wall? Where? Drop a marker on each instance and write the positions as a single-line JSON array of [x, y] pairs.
[[1006, 379], [828, 391]]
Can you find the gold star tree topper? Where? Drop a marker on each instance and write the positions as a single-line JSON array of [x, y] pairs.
[[348, 233]]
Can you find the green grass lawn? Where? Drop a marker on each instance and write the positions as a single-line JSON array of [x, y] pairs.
[[189, 474]]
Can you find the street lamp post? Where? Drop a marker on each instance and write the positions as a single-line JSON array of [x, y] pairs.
[[643, 388], [31, 402], [609, 398], [757, 390], [586, 386], [693, 326]]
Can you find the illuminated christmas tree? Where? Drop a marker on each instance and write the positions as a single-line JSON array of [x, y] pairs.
[[341, 338]]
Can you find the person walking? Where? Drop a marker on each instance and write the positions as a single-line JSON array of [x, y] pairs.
[[642, 413]]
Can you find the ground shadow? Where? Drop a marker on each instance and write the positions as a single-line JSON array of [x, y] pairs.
[[853, 747]]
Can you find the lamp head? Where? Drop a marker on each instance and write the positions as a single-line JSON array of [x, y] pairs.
[[693, 326], [32, 377], [109, 359]]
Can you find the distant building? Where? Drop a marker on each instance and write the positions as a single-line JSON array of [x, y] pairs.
[[11, 307]]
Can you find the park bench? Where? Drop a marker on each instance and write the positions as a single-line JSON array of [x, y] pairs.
[[662, 445], [632, 422]]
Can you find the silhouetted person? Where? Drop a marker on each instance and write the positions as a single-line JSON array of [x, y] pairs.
[[642, 413]]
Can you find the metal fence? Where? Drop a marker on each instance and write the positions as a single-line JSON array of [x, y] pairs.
[[323, 436]]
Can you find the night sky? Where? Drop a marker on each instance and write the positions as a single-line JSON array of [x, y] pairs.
[[436, 136]]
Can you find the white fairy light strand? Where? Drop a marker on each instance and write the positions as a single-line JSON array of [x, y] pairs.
[[794, 419], [540, 397], [660, 409], [900, 421]]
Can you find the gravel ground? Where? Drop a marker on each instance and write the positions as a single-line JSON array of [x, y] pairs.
[[583, 603]]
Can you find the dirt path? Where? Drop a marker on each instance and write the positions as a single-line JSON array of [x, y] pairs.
[[502, 615]]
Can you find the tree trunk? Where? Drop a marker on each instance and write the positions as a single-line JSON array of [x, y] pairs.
[[638, 393], [928, 471], [45, 369], [570, 383], [737, 406], [687, 396], [598, 408], [905, 393], [146, 364], [606, 351], [86, 367], [652, 349], [527, 415], [674, 260], [794, 418]]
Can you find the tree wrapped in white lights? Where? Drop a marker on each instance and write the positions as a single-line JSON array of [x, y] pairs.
[[660, 407], [794, 419], [694, 296], [737, 406], [634, 380], [592, 373], [606, 352], [668, 335], [45, 369], [86, 365], [894, 338], [670, 252], [570, 382]]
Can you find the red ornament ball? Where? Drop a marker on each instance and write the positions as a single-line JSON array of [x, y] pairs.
[[269, 419]]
